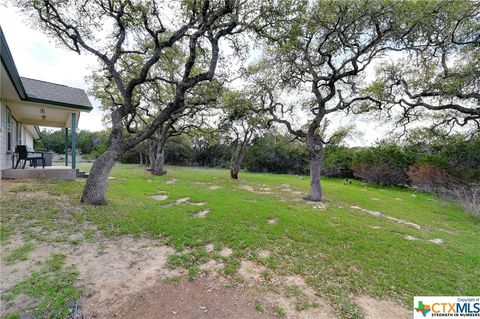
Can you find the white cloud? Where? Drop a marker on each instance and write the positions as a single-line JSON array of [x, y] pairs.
[[36, 56]]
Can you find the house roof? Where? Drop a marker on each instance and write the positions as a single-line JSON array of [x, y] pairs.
[[55, 92], [40, 91]]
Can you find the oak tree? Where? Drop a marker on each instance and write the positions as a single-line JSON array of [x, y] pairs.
[[118, 32]]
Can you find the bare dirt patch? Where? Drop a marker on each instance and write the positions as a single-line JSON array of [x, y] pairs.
[[211, 266], [264, 254], [285, 187], [251, 271], [182, 200], [318, 205], [437, 241], [206, 297], [380, 215], [159, 197], [209, 248], [213, 296], [373, 308], [246, 188], [304, 303], [319, 307], [197, 203], [202, 213], [171, 181], [288, 305], [125, 267], [214, 187], [226, 252], [263, 190], [272, 221]]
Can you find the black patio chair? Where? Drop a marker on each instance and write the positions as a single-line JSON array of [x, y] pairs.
[[26, 155]]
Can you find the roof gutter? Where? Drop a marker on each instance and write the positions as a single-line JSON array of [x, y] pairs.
[[75, 106]]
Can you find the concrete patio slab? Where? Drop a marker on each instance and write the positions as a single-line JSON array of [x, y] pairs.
[[51, 172]]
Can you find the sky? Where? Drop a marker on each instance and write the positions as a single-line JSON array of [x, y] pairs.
[[37, 56]]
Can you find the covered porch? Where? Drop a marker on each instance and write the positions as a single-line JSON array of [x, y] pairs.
[[28, 104], [25, 105], [44, 115], [38, 114]]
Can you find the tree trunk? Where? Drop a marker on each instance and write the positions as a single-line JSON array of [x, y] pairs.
[[96, 186], [157, 166], [146, 158], [315, 151], [236, 163], [234, 169], [151, 154], [157, 155], [239, 153], [156, 150]]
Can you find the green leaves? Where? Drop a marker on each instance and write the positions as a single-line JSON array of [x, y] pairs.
[[236, 104]]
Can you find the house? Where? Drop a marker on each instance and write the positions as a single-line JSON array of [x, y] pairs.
[[26, 104]]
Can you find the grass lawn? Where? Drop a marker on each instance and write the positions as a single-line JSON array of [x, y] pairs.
[[340, 251]]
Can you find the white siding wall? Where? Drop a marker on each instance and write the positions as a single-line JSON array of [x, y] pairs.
[[26, 138], [4, 158]]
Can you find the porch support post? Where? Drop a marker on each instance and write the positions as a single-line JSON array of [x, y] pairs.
[[74, 140], [66, 146]]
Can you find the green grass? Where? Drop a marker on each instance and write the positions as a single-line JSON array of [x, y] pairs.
[[336, 250], [280, 311], [20, 253], [259, 307], [52, 286]]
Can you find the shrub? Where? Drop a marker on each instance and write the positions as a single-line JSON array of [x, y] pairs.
[[130, 157], [452, 185], [338, 162], [427, 177], [276, 153], [468, 196], [178, 151], [385, 164], [381, 173]]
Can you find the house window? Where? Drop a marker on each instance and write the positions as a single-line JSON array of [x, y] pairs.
[[19, 133], [9, 131]]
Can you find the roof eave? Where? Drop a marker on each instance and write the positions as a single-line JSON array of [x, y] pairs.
[[75, 106]]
